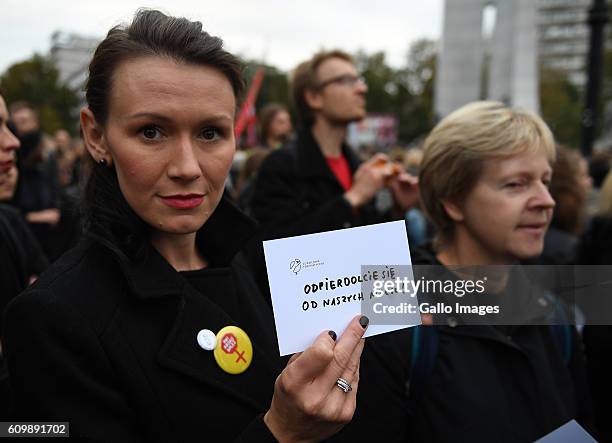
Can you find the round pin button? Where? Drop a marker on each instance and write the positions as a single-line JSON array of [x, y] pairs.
[[207, 339], [234, 352]]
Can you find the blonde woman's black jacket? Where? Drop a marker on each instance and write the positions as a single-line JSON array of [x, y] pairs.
[[506, 384], [110, 345]]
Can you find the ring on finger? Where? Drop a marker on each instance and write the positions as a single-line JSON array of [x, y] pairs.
[[344, 385]]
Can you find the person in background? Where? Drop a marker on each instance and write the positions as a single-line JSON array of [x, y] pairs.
[[38, 191], [274, 129], [8, 184], [68, 231], [274, 125], [599, 166], [21, 259], [66, 157], [569, 187], [596, 250], [484, 184], [317, 183], [245, 186]]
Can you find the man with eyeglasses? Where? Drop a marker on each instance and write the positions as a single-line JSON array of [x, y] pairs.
[[317, 183]]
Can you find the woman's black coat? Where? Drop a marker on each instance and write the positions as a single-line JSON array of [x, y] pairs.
[[502, 384], [110, 346]]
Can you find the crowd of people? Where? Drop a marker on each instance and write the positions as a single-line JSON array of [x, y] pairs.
[[124, 250]]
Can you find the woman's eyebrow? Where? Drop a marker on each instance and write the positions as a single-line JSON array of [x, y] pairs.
[[221, 118], [148, 115]]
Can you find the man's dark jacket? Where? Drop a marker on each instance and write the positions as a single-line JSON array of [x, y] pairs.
[[296, 192]]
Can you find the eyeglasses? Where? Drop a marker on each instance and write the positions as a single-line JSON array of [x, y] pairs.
[[344, 80]]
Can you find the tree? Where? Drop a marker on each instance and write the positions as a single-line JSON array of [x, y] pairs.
[[37, 81], [421, 74], [561, 104], [275, 85], [381, 80], [406, 92]]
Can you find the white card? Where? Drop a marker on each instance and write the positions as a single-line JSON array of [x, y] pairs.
[[295, 264], [570, 432]]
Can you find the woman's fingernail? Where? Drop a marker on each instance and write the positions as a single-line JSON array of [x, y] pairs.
[[363, 321], [333, 335]]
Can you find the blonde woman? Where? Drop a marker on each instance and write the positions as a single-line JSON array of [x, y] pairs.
[[484, 185]]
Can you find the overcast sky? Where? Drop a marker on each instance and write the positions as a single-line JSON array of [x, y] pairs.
[[282, 32]]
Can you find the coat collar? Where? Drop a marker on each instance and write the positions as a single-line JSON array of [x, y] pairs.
[[221, 237], [311, 161]]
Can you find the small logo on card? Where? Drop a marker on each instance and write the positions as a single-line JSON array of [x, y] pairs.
[[295, 265]]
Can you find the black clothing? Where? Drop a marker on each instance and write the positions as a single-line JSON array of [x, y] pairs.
[[596, 249], [598, 348], [20, 259], [596, 242], [20, 255], [38, 186], [497, 384], [296, 192], [560, 248], [110, 345]]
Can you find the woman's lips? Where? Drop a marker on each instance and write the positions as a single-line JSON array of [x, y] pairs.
[[6, 165], [534, 229], [188, 201]]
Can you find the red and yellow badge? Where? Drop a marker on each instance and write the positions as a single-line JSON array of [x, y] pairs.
[[234, 351]]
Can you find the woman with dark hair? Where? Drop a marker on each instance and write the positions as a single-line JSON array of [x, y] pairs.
[[274, 127], [274, 124], [151, 329]]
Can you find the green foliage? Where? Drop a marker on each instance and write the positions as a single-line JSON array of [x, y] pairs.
[[421, 74], [275, 85], [561, 105], [406, 92], [37, 81]]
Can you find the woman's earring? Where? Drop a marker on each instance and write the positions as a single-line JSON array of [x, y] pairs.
[[102, 162]]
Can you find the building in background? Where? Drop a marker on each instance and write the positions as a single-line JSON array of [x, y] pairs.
[[488, 51], [71, 54], [563, 37]]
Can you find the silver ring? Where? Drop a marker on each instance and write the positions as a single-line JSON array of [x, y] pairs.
[[344, 385]]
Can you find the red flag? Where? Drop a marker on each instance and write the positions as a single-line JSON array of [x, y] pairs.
[[246, 117]]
